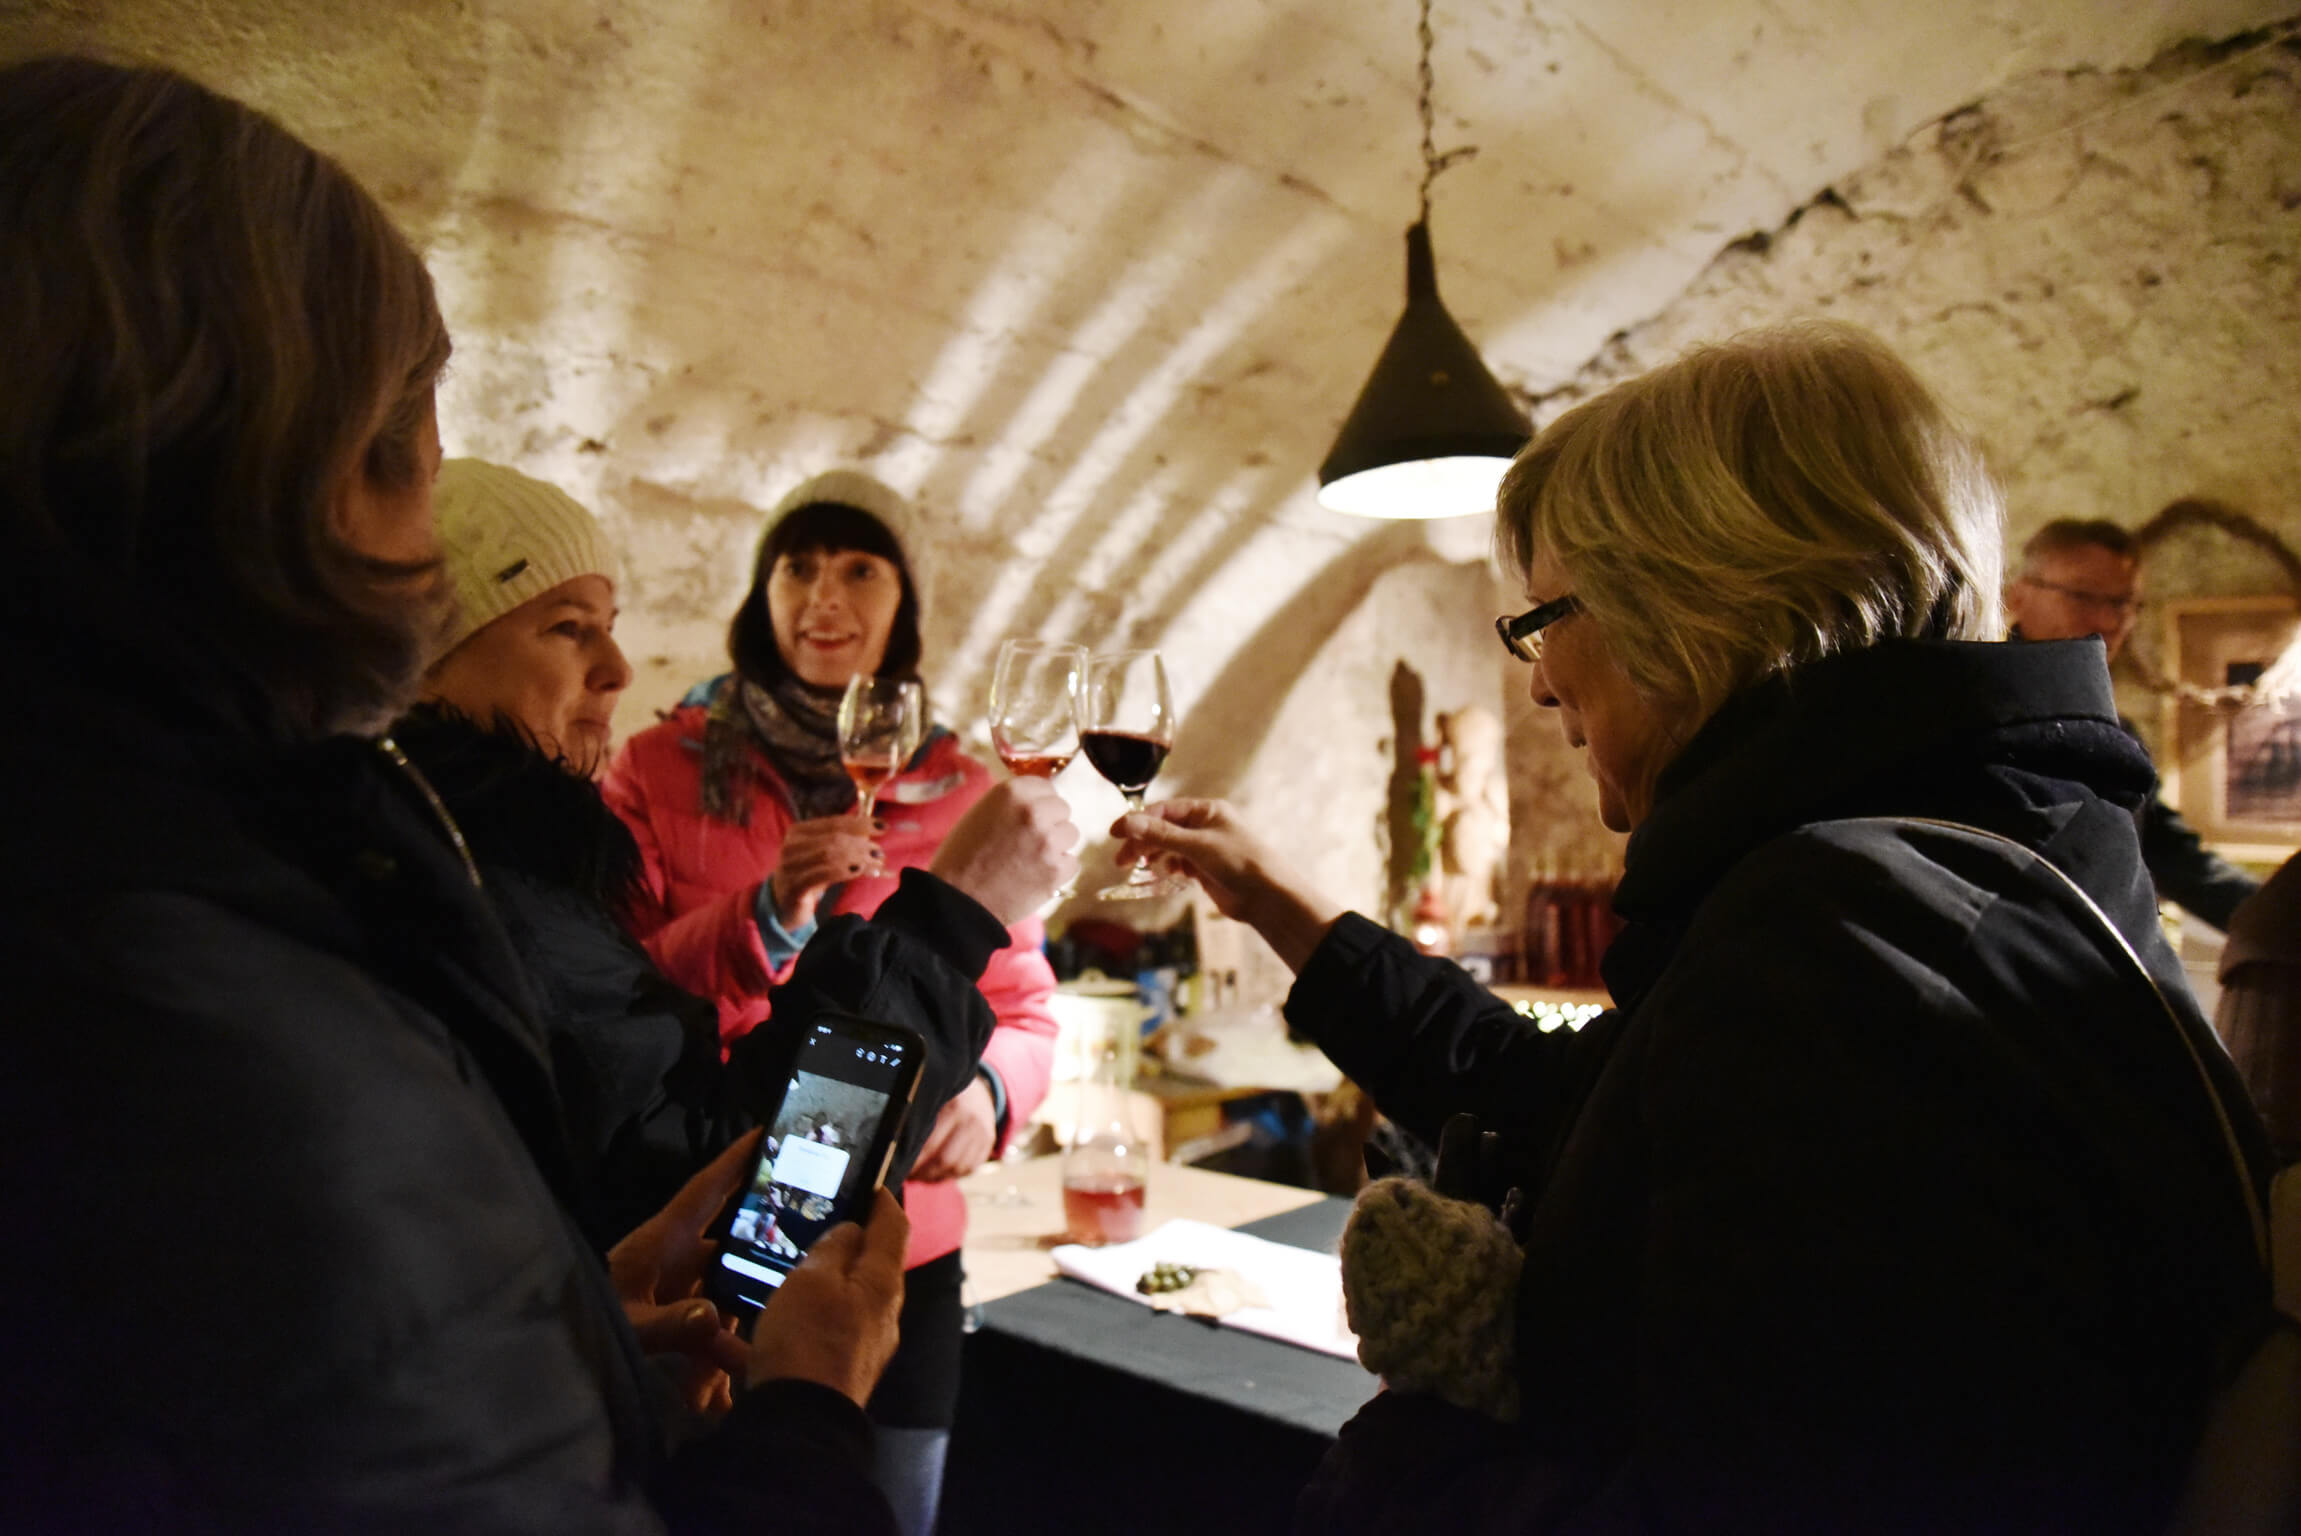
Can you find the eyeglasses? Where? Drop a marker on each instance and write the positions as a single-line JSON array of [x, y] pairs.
[[1522, 636], [2128, 606]]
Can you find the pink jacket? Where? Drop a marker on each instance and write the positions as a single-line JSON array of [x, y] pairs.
[[703, 877]]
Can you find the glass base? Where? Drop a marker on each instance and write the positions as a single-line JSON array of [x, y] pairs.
[[1136, 888]]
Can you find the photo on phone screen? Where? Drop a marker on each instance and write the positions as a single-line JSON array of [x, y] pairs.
[[824, 1156]]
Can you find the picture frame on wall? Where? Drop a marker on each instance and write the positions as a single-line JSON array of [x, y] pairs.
[[2234, 772]]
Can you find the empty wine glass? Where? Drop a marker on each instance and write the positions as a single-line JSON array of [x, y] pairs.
[[1034, 706], [881, 721], [1126, 725]]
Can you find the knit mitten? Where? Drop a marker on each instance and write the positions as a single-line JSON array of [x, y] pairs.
[[1431, 1286]]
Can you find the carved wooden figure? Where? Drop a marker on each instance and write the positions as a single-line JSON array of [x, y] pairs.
[[1474, 814]]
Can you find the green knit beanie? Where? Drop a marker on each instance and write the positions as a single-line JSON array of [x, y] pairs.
[[1431, 1285]]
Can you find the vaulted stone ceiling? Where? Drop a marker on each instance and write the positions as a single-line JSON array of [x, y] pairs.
[[1095, 281]]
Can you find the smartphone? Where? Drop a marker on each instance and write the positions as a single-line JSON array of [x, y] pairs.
[[828, 1144]]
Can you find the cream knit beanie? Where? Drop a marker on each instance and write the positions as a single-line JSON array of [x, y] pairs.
[[508, 538], [1431, 1286], [853, 488]]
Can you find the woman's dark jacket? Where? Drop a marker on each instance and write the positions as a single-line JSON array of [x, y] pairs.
[[1888, 1197], [636, 1060], [286, 1171], [645, 1099]]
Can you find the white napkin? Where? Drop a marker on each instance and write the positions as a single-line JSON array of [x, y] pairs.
[[1305, 1288]]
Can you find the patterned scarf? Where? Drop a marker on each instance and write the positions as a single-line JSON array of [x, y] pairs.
[[795, 727]]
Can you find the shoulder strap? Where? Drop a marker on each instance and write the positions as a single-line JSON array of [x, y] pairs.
[[2237, 1165]]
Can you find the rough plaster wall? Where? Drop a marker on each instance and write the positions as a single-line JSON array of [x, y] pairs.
[[2100, 271], [1097, 282]]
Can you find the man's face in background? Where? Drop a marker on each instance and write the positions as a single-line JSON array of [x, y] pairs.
[[2066, 594]]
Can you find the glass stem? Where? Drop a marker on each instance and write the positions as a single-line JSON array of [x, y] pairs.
[[1141, 873]]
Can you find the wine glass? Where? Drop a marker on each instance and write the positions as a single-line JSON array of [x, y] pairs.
[[881, 720], [1034, 708], [1126, 725]]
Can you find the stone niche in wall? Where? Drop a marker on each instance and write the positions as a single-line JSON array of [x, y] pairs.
[[2221, 587]]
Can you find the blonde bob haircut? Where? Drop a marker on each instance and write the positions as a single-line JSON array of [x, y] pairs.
[[1757, 505]]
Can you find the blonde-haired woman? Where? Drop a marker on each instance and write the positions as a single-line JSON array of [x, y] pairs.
[[1888, 1196]]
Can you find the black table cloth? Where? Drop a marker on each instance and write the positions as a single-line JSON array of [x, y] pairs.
[[1085, 1412]]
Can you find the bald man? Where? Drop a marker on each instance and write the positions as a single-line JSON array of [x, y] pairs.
[[2079, 578]]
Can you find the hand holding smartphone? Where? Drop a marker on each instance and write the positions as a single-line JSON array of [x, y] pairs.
[[828, 1145], [836, 1321]]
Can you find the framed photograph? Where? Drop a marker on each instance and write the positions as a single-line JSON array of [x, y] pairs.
[[2235, 773]]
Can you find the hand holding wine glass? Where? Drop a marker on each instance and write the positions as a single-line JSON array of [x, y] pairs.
[[1012, 850], [1034, 711], [1246, 876], [1126, 726], [881, 722], [817, 854]]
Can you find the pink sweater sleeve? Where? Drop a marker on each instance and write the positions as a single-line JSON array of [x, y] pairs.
[[1019, 985], [713, 949]]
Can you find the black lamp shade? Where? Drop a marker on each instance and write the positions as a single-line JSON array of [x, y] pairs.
[[1429, 400]]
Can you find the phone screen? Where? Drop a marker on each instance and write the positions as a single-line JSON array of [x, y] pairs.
[[825, 1153]]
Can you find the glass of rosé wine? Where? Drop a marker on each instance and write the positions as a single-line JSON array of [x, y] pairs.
[[1106, 1162], [881, 722], [1034, 706]]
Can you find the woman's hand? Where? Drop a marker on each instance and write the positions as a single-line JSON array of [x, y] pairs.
[[834, 1320], [1242, 874], [962, 1137], [1012, 850], [818, 854], [658, 1272], [1204, 840]]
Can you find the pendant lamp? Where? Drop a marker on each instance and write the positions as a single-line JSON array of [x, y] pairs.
[[1432, 431]]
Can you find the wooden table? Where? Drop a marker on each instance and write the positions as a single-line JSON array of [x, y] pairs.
[[1015, 1214]]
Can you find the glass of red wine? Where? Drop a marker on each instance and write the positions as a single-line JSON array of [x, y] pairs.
[[1126, 725], [881, 722], [1034, 706]]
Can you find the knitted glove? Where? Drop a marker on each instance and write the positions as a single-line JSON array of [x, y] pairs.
[[1431, 1286]]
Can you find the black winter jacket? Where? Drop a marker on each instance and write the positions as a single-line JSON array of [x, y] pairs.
[[2188, 872], [286, 1170], [635, 1059], [644, 1096], [1887, 1199]]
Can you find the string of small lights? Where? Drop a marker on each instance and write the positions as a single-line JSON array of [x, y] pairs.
[[1549, 1016]]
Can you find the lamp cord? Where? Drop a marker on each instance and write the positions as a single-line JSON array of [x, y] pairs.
[[1432, 161]]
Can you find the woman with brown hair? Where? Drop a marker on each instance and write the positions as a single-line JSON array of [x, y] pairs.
[[285, 1160]]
